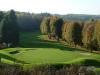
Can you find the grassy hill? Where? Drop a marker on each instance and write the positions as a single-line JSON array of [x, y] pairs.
[[36, 49]]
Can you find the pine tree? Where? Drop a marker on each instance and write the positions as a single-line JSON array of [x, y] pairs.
[[77, 33], [1, 15], [58, 28], [1, 18], [10, 29]]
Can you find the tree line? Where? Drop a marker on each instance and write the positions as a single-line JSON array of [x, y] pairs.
[[29, 22], [85, 34], [74, 33]]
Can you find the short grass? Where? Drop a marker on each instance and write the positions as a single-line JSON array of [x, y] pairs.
[[37, 49]]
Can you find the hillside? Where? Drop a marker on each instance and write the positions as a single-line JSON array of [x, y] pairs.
[[78, 17]]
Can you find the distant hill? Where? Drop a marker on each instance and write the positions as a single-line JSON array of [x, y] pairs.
[[76, 17]]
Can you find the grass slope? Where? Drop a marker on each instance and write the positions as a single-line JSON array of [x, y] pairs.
[[37, 49]]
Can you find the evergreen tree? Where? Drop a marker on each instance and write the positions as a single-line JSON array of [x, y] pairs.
[[1, 18], [10, 29], [1, 15], [58, 27], [77, 33]]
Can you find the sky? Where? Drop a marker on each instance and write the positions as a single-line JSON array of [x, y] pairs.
[[53, 6]]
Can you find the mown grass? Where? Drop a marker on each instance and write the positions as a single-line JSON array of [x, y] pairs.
[[36, 49]]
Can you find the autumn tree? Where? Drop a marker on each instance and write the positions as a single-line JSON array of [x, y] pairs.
[[52, 26], [97, 31], [44, 27], [97, 35], [71, 32], [88, 34], [56, 27]]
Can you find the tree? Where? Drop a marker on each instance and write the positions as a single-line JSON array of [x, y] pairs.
[[97, 33], [52, 26], [1, 15], [88, 34], [10, 29], [29, 22], [71, 32], [1, 18], [44, 27], [94, 45], [77, 33], [26, 21], [58, 28], [66, 32]]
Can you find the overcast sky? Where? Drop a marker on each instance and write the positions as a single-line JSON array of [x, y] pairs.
[[53, 6]]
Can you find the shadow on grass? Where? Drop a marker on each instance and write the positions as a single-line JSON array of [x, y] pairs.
[[10, 58], [36, 42]]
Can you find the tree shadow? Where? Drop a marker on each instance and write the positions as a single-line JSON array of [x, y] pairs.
[[10, 58], [40, 43]]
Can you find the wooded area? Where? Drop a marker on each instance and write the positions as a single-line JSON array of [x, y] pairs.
[[85, 34]]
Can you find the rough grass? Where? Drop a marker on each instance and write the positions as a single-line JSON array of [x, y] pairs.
[[36, 49]]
